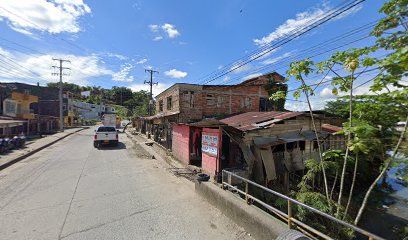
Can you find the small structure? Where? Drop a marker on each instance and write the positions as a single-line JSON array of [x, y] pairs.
[[10, 127], [267, 146], [281, 142]]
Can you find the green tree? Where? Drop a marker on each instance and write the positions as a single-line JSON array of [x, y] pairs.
[[390, 97]]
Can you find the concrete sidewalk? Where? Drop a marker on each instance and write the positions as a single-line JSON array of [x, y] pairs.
[[34, 146], [154, 149]]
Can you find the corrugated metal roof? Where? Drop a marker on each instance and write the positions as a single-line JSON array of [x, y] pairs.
[[160, 115], [252, 120], [208, 122], [11, 123], [331, 128]]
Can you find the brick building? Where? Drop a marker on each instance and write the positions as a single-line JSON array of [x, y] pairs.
[[186, 103], [189, 102]]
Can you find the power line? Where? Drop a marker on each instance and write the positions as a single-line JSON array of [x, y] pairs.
[[44, 29], [265, 47], [285, 40]]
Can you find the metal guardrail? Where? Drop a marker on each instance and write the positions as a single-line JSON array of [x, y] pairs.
[[289, 218]]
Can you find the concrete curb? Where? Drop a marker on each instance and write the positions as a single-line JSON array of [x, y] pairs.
[[8, 164], [255, 221]]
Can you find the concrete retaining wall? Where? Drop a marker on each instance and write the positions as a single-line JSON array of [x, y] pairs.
[[255, 221]]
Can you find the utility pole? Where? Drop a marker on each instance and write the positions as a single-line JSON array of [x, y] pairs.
[[60, 67], [151, 71]]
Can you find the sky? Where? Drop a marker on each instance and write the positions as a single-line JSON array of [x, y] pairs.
[[111, 43]]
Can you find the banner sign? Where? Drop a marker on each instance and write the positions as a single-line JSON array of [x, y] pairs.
[[209, 144]]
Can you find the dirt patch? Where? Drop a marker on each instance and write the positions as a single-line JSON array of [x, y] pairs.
[[140, 152]]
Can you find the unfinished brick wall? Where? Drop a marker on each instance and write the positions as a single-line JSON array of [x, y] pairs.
[[191, 104], [180, 143], [225, 100], [174, 94], [198, 101]]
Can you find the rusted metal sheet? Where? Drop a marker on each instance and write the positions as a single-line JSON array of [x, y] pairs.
[[331, 128], [161, 115], [252, 120]]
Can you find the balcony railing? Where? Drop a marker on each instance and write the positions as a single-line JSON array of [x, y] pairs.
[[288, 217]]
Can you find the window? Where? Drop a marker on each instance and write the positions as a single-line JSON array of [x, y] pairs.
[[246, 102], [161, 106], [106, 129], [215, 101], [188, 99], [169, 103], [211, 100], [220, 101]]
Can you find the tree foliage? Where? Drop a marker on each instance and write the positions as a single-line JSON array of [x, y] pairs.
[[136, 102]]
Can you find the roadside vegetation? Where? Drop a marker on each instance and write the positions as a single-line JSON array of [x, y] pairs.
[[128, 103], [342, 182]]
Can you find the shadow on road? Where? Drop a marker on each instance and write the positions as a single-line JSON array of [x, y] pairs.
[[110, 147]]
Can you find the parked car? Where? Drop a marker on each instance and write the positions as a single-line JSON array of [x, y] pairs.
[[106, 135]]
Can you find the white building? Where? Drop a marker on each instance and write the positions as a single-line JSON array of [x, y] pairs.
[[89, 111]]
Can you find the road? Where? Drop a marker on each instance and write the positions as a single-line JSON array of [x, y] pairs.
[[74, 191]]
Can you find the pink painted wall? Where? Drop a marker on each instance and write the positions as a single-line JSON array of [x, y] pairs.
[[209, 163], [180, 143]]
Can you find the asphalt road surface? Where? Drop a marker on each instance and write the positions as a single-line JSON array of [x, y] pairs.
[[73, 191]]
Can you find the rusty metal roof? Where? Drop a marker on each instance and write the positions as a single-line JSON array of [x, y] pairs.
[[254, 120], [161, 115], [331, 128]]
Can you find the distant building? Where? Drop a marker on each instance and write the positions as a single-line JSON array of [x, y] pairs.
[[88, 111], [34, 105]]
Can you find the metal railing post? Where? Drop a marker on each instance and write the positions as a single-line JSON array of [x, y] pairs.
[[291, 220], [289, 214], [246, 193]]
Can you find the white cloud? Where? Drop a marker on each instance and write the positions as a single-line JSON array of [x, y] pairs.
[[350, 12], [250, 76], [171, 30], [301, 20], [264, 54], [166, 29], [326, 92], [226, 79], [155, 90], [154, 27], [83, 68], [158, 38], [142, 61], [276, 59], [118, 56], [55, 16], [173, 73], [239, 69], [123, 74]]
